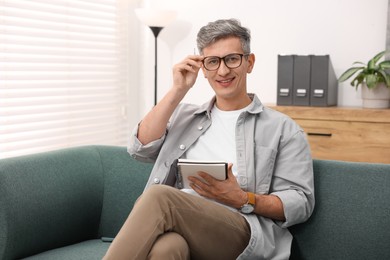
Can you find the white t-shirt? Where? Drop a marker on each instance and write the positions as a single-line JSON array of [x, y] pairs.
[[218, 143]]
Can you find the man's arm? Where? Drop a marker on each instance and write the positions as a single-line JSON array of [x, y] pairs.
[[229, 193], [153, 126]]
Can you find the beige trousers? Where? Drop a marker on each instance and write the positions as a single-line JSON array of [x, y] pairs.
[[167, 223]]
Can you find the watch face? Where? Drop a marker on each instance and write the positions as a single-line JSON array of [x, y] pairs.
[[246, 209]]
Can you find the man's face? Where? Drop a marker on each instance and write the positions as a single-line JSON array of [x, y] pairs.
[[228, 84]]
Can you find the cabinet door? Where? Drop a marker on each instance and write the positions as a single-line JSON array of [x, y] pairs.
[[348, 141]]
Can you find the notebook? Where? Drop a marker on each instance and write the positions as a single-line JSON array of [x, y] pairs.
[[188, 167]]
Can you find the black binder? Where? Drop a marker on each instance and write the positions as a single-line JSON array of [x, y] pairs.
[[301, 80], [285, 80], [324, 84]]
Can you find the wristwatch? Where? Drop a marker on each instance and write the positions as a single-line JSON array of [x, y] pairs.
[[249, 206]]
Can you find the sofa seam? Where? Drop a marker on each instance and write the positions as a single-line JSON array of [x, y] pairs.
[[104, 189]]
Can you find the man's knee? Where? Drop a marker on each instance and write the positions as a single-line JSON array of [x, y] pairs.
[[170, 246], [158, 193], [157, 190]]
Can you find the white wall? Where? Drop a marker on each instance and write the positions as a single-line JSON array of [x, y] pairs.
[[347, 30]]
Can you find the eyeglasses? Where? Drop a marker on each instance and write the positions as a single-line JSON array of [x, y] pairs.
[[232, 61]]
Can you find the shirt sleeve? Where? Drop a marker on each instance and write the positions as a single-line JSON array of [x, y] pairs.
[[141, 152], [293, 180]]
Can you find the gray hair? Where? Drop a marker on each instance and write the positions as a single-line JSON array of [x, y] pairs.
[[221, 29]]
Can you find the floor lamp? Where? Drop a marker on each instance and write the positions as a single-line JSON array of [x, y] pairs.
[[156, 20]]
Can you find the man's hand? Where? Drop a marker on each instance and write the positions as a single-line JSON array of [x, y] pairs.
[[227, 192], [186, 72], [154, 124]]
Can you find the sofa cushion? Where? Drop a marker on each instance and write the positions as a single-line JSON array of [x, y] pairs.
[[351, 218], [48, 201], [88, 250]]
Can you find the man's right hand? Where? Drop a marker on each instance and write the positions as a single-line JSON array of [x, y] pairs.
[[186, 72], [154, 124]]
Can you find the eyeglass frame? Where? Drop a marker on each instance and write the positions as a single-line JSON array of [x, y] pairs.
[[223, 58]]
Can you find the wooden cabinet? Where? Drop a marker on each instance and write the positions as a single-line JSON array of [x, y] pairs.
[[347, 134]]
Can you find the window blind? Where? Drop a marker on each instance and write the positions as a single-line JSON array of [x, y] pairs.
[[63, 74]]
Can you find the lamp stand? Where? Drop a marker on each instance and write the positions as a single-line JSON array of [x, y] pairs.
[[156, 30]]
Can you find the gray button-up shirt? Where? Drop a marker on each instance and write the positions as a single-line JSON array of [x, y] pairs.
[[273, 157]]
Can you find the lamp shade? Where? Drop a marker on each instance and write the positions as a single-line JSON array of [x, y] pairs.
[[155, 17]]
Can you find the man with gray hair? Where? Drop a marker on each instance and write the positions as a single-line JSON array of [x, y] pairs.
[[270, 174]]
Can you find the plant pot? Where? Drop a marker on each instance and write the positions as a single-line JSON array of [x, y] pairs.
[[378, 97]]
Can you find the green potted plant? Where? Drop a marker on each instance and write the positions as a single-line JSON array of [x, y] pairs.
[[374, 79]]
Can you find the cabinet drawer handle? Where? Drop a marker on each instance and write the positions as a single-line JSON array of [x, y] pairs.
[[320, 134]]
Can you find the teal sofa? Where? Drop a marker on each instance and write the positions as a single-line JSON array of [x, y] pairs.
[[67, 204]]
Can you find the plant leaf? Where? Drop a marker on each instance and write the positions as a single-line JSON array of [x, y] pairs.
[[388, 80], [384, 64], [385, 77], [371, 63], [348, 73], [371, 80], [359, 62], [357, 80]]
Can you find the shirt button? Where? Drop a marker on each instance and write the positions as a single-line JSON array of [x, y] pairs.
[[156, 180], [200, 128], [182, 147]]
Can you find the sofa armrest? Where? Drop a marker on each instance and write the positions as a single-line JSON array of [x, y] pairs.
[[49, 200], [124, 181]]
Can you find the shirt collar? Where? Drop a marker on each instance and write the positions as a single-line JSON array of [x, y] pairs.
[[255, 107]]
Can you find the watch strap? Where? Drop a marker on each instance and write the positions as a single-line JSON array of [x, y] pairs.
[[251, 198]]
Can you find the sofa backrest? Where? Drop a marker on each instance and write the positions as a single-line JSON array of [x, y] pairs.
[[351, 218], [63, 197]]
